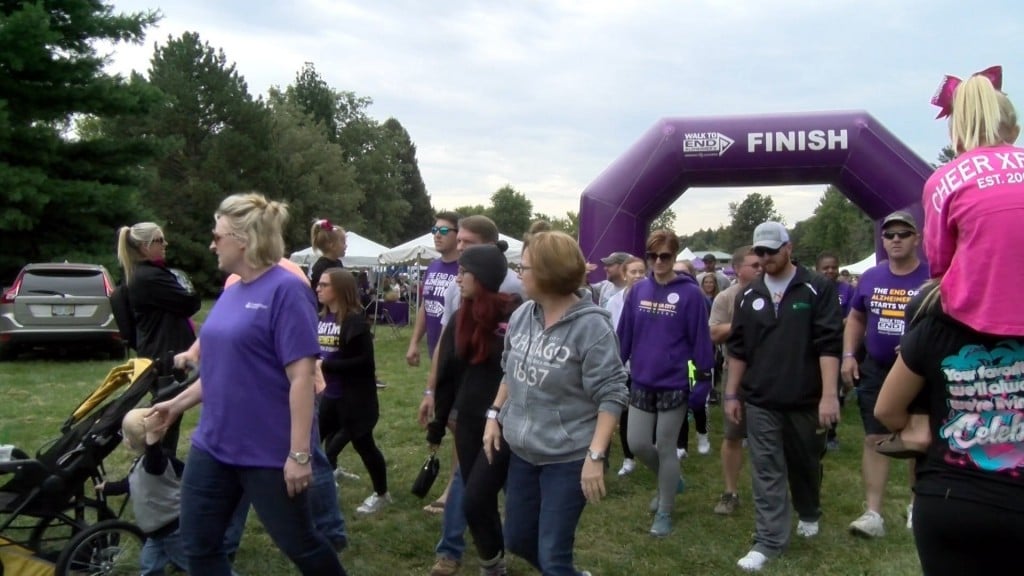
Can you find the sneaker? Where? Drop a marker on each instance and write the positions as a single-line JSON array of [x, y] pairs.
[[340, 473], [498, 569], [910, 516], [662, 525], [870, 524], [445, 566], [628, 465], [681, 485], [381, 385], [752, 562], [807, 529], [703, 444], [832, 445], [681, 453], [374, 503], [727, 504], [586, 573]]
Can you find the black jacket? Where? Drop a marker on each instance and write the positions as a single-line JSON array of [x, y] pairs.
[[782, 350], [322, 263], [467, 388], [162, 303]]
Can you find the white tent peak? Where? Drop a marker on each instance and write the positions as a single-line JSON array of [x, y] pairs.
[[421, 251], [861, 267], [360, 252]]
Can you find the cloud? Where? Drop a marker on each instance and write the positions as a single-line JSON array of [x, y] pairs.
[[545, 95]]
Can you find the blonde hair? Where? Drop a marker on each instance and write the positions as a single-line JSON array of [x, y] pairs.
[[323, 235], [556, 262], [130, 240], [982, 116], [258, 223], [133, 428]]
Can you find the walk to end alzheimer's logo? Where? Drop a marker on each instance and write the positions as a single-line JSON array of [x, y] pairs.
[[701, 144]]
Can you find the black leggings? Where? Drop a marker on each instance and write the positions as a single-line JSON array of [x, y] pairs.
[[336, 436], [956, 537], [483, 481], [700, 421]]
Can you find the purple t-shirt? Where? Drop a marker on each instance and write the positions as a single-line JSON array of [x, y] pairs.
[[439, 275], [883, 297], [253, 331], [846, 293]]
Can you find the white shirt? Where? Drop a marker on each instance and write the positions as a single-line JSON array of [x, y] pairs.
[[453, 295]]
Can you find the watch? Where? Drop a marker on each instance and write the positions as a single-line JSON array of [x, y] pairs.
[[596, 456], [300, 457]]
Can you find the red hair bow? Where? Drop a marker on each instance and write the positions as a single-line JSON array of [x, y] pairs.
[[325, 224], [943, 97]]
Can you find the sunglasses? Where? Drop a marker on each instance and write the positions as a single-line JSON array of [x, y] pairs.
[[442, 230], [218, 237], [663, 256], [902, 234], [763, 251], [158, 241]]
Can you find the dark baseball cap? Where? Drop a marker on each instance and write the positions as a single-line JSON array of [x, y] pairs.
[[902, 217], [616, 258]]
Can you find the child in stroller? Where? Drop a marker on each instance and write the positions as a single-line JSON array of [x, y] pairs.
[[154, 486]]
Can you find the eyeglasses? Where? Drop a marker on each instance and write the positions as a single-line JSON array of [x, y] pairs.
[[443, 230], [755, 265], [525, 269], [323, 285], [763, 251], [663, 256], [902, 234], [160, 240]]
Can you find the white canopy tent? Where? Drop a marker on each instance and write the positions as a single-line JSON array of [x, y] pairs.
[[360, 252], [421, 251], [861, 267], [686, 255]]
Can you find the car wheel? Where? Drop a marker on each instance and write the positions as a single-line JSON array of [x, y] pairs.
[[118, 352], [8, 352]]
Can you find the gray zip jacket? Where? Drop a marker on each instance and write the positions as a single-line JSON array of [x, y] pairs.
[[558, 379]]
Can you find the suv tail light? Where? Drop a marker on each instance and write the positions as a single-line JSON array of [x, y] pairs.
[[9, 296], [107, 286]]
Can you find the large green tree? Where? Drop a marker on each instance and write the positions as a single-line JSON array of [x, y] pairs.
[[64, 197], [511, 210], [413, 190], [837, 226], [746, 215], [665, 221]]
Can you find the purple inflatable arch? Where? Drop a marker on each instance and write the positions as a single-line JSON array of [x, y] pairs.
[[850, 150]]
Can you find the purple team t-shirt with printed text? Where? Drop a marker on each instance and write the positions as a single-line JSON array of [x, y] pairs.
[[846, 293], [253, 331], [883, 297], [438, 277]]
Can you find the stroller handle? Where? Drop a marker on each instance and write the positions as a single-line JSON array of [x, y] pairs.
[[177, 387]]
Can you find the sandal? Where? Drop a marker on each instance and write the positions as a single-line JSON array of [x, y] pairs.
[[435, 507], [895, 447]]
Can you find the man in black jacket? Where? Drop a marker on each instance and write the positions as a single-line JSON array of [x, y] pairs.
[[784, 354]]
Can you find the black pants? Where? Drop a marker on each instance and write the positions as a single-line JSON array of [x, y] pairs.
[[700, 420], [956, 537], [336, 436], [483, 481]]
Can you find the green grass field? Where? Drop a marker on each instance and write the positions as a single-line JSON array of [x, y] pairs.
[[612, 537]]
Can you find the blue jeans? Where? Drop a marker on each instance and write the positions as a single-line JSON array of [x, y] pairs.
[[543, 505], [323, 497], [210, 493], [157, 553], [453, 523]]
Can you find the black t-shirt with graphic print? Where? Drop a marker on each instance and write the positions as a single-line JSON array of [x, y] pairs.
[[974, 389]]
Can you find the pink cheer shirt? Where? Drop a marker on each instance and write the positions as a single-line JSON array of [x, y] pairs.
[[974, 237]]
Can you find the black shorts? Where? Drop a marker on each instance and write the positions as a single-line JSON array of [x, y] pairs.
[[872, 375], [657, 400]]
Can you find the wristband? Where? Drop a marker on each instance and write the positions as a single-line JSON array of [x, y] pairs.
[[849, 355], [732, 397], [495, 408], [428, 392], [492, 414]]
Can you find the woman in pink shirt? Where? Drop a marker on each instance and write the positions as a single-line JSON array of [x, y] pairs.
[[974, 206]]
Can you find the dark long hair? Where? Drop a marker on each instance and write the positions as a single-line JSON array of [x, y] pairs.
[[476, 323], [343, 283]]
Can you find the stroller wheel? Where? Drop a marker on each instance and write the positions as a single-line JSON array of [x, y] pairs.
[[111, 547]]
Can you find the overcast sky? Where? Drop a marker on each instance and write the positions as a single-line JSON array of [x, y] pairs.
[[544, 95]]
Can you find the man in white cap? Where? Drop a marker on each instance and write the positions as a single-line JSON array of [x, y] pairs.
[[784, 349]]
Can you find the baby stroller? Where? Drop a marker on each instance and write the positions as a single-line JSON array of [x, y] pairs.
[[51, 524]]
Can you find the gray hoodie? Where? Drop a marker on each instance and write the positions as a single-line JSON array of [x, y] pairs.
[[558, 379]]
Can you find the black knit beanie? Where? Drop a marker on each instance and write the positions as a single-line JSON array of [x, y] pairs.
[[486, 263]]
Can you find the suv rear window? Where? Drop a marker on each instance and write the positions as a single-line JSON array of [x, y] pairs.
[[70, 282]]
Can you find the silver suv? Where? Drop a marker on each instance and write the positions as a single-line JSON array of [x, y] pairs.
[[59, 304]]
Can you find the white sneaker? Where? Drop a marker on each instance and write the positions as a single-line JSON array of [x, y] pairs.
[[870, 524], [340, 473], [703, 444], [681, 453], [628, 465], [374, 503], [807, 529], [910, 516], [753, 561]]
